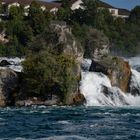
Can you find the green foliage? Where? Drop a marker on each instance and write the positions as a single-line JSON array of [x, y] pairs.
[[47, 74], [64, 12], [94, 39], [16, 13], [124, 34], [2, 26], [135, 15], [36, 18], [90, 12]]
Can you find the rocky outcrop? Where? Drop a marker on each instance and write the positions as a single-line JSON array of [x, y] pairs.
[[72, 48], [4, 63], [8, 86], [37, 101], [75, 99], [96, 44], [118, 71]]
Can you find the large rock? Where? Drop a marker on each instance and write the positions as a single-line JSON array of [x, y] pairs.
[[96, 44], [8, 86], [72, 48], [75, 99], [118, 71], [4, 63], [60, 39]]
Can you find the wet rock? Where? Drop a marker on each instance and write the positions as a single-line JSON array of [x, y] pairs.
[[4, 63], [75, 99], [8, 86], [38, 101], [118, 71], [114, 95]]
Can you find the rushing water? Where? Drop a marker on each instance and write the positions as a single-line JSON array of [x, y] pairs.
[[70, 123], [97, 89]]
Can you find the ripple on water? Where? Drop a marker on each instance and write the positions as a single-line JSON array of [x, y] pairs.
[[72, 123]]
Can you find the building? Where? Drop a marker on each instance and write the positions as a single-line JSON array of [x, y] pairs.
[[53, 7], [76, 4], [116, 12]]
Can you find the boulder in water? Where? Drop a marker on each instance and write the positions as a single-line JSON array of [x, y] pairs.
[[75, 99], [4, 63], [118, 71]]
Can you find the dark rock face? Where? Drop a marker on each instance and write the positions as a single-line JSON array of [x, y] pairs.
[[113, 95], [75, 99], [135, 83], [96, 67], [8, 86], [4, 63], [118, 71]]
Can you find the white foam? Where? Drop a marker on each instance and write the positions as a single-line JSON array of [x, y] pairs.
[[92, 84]]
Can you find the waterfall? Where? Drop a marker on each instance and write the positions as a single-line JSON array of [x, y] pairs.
[[97, 89]]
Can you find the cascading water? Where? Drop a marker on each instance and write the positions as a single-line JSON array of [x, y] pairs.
[[97, 89]]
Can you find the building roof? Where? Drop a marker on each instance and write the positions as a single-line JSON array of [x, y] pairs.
[[101, 4], [105, 5], [49, 5], [124, 12]]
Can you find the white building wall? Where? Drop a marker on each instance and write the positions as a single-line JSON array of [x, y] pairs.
[[43, 8], [76, 5], [113, 11], [13, 4], [54, 10]]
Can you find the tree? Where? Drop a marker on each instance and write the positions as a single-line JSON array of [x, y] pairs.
[[64, 12], [16, 12], [135, 15], [78, 16], [1, 8], [47, 74], [90, 10], [95, 39], [48, 69], [36, 18]]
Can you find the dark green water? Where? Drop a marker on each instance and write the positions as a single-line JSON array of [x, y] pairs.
[[70, 123]]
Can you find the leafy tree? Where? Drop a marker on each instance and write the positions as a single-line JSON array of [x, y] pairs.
[[78, 16], [36, 18], [16, 13], [1, 8], [64, 12], [90, 11], [47, 74], [94, 40], [135, 15]]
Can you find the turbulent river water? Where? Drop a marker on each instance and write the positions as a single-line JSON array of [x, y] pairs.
[[114, 117], [70, 123]]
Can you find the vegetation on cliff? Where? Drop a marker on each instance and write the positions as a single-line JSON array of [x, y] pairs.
[[19, 29], [47, 71]]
